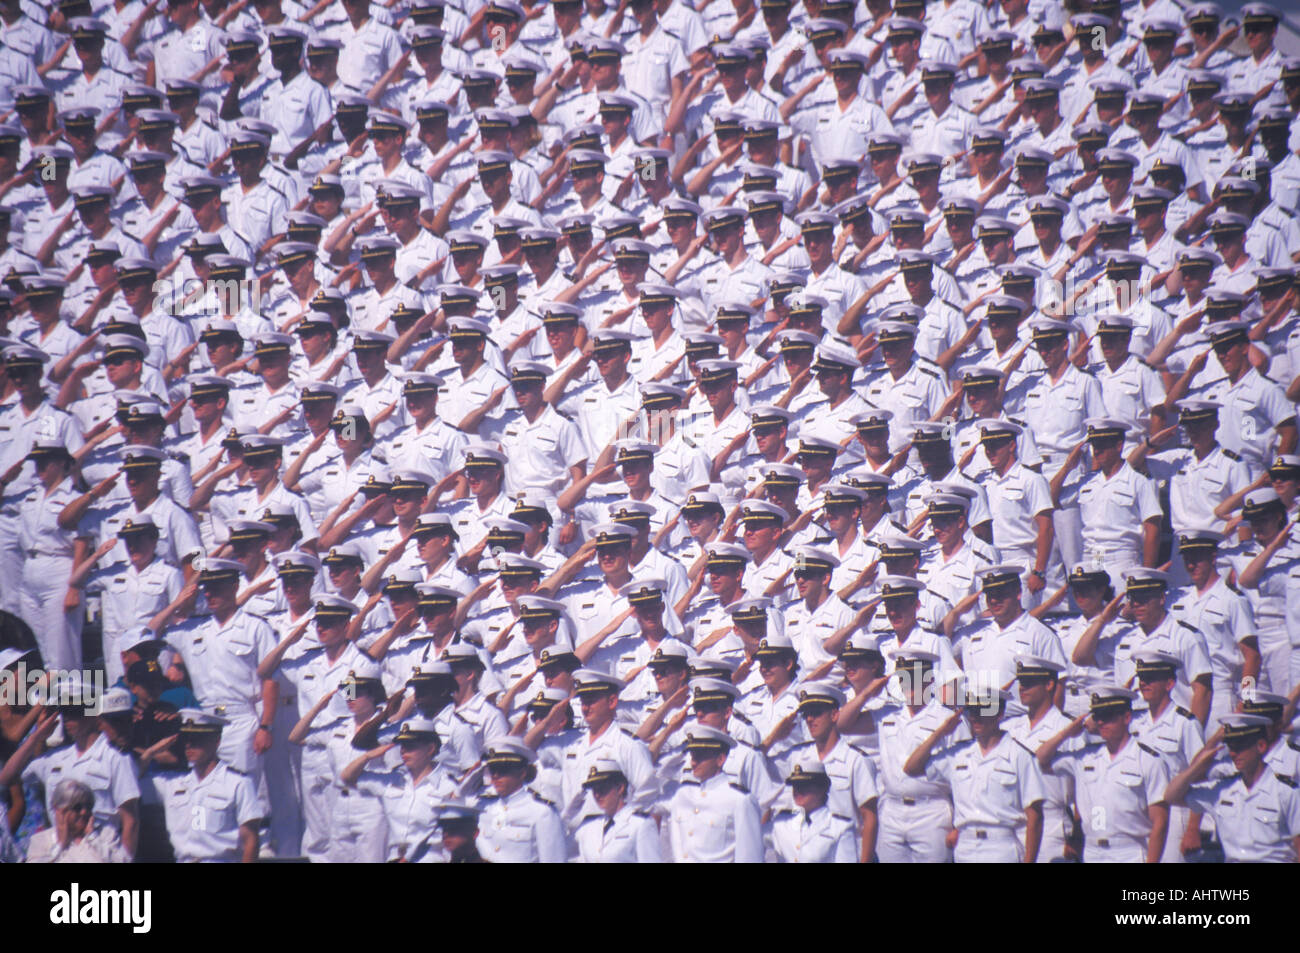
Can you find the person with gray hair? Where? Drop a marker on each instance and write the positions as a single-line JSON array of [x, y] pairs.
[[75, 837]]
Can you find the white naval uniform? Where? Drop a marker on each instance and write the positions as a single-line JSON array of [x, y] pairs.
[[410, 809], [1269, 601], [523, 828], [915, 813], [816, 837], [1224, 616], [991, 652], [616, 744], [204, 814], [1249, 412], [222, 663], [1173, 637], [714, 822], [1256, 824], [312, 676], [1059, 790], [854, 785], [990, 793], [107, 771], [1177, 736], [1112, 512], [1058, 411], [18, 432], [131, 598], [809, 629], [628, 837], [46, 569], [1113, 795], [539, 454]]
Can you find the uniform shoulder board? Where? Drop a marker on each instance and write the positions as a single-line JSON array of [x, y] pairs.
[[275, 188], [841, 817], [456, 714], [785, 812], [179, 456], [642, 813], [1025, 746], [490, 797], [925, 370], [234, 770], [675, 36], [1183, 711], [950, 304], [119, 72], [747, 744], [979, 555], [538, 797], [1293, 744], [1233, 587], [690, 781], [1190, 628], [741, 718], [804, 744], [740, 787], [590, 817], [626, 732], [1230, 454], [861, 751], [1149, 750], [1287, 780], [1017, 421]]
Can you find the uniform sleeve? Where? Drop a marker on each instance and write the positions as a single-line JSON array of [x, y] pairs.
[[1241, 619], [573, 450], [939, 767], [1147, 501], [1032, 788], [641, 774], [551, 848], [1238, 478], [1275, 405], [1193, 739], [1048, 644], [305, 521], [1093, 405], [1195, 655], [124, 784], [320, 109], [185, 539], [749, 832], [1289, 805], [863, 778], [38, 769], [1066, 763], [1156, 778], [1203, 797], [677, 62], [1038, 495], [247, 807], [264, 639], [1153, 389]]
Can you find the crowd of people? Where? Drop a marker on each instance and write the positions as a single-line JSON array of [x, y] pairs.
[[715, 431]]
